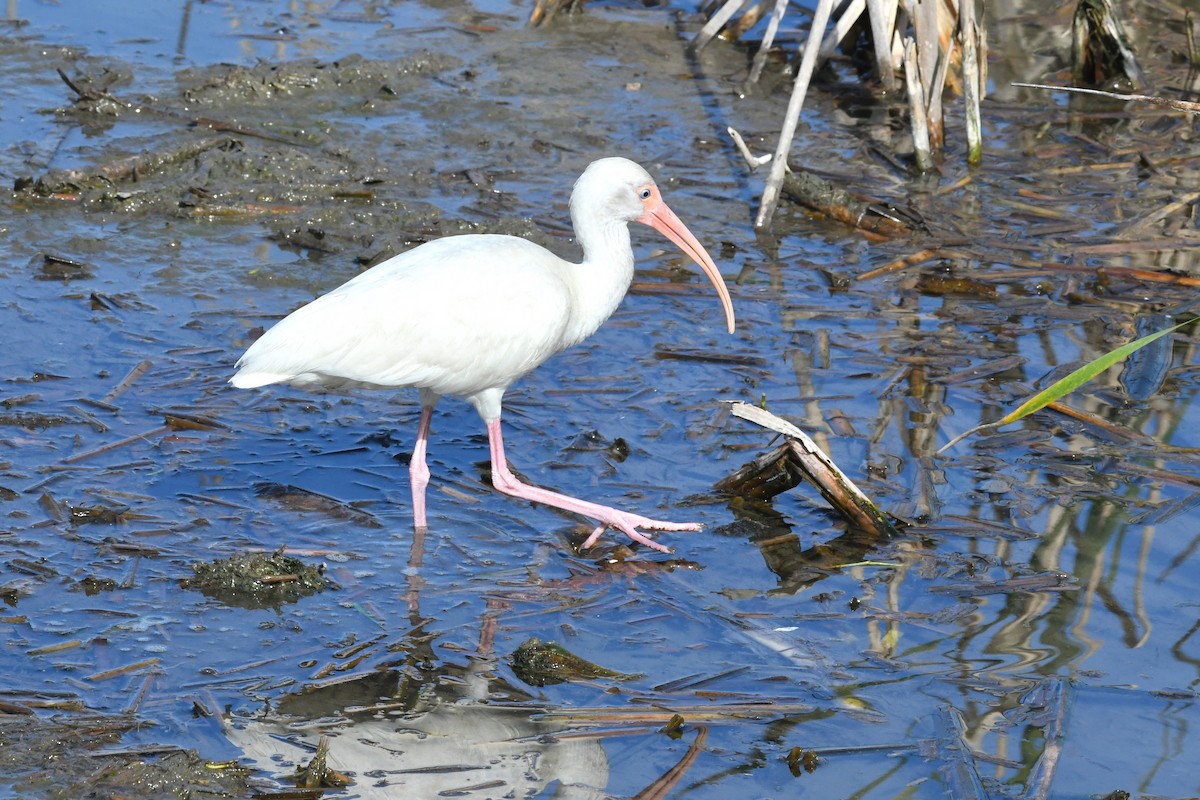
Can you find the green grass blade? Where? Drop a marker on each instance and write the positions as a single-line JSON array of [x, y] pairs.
[[1081, 376]]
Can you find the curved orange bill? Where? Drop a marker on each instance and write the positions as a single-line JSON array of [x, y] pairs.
[[663, 220]]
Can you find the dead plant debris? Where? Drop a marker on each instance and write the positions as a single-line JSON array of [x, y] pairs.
[[540, 663], [257, 580]]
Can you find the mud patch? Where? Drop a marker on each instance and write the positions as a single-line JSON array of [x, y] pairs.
[[66, 757], [257, 580]]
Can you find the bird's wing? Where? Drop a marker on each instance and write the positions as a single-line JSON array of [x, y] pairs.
[[456, 315]]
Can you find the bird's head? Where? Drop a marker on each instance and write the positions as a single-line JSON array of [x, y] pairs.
[[614, 189], [621, 191]]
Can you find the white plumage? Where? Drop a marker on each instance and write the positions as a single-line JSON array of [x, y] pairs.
[[468, 315]]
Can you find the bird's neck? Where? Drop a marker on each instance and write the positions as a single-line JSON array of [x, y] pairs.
[[602, 280]]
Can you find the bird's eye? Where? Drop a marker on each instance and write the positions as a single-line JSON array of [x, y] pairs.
[[644, 194]]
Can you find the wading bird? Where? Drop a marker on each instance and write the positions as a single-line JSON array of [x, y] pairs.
[[468, 315]]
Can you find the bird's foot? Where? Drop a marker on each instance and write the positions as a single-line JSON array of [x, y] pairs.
[[505, 481], [629, 523]]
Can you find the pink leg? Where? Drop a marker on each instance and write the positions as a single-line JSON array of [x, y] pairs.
[[418, 472], [505, 481]]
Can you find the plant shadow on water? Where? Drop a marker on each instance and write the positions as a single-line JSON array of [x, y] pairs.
[[1031, 633]]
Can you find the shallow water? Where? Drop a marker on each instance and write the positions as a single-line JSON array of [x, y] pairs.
[[923, 670]]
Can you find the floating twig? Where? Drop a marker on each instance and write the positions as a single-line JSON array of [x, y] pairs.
[[919, 257], [125, 670], [1178, 105], [1139, 227], [295, 498], [108, 448], [57, 647], [134, 374]]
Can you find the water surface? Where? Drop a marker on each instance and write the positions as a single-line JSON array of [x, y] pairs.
[[930, 668]]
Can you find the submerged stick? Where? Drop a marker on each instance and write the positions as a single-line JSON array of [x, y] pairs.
[[57, 181], [108, 448], [134, 375], [1052, 696], [670, 779]]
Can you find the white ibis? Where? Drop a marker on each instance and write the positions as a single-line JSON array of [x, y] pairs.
[[468, 315]]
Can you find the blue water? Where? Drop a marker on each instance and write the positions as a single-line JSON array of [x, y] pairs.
[[888, 656]]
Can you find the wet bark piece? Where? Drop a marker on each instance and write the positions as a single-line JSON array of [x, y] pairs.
[[53, 267], [800, 459], [297, 499], [871, 217], [35, 421]]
